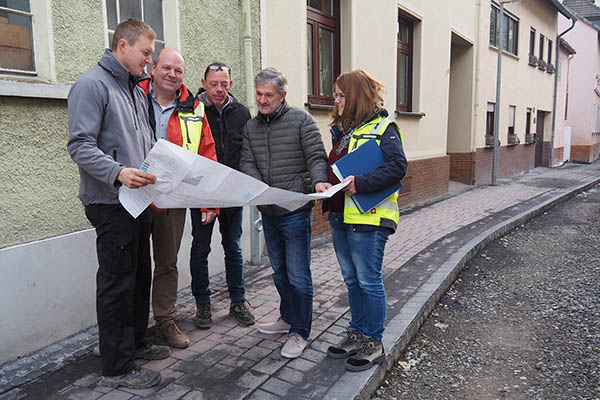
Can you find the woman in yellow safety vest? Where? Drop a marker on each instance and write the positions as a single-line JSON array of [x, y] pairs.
[[359, 237]]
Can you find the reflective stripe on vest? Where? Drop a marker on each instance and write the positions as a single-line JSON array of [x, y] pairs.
[[191, 128], [388, 209]]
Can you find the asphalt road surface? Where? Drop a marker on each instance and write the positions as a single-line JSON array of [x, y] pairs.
[[521, 322]]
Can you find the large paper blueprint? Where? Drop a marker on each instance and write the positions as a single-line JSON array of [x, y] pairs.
[[186, 180]]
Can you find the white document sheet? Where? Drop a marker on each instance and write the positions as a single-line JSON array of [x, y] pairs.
[[186, 180]]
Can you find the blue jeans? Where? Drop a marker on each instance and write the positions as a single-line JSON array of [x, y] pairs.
[[288, 243], [360, 255], [230, 226]]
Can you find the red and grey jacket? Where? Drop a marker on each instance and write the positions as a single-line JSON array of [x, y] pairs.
[[188, 126]]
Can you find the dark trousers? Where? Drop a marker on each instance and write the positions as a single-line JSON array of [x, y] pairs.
[[230, 226], [122, 283]]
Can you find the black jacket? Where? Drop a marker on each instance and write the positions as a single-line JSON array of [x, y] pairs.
[[227, 128]]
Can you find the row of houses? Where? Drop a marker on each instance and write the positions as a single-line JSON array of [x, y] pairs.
[[437, 60]]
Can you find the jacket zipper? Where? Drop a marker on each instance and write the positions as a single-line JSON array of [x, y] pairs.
[[269, 153]]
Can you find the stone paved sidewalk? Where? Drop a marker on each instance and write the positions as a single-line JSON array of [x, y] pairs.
[[229, 361]]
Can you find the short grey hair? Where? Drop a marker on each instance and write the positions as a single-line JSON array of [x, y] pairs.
[[274, 76]]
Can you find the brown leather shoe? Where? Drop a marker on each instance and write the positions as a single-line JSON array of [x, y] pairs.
[[169, 331]]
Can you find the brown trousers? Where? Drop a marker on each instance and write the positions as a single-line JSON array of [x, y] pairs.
[[167, 230]]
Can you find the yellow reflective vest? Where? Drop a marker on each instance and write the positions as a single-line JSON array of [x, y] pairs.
[[190, 126], [385, 214]]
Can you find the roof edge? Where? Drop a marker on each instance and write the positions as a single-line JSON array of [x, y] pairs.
[[563, 10]]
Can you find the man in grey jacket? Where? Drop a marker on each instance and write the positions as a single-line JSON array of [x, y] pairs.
[[109, 137], [282, 147]]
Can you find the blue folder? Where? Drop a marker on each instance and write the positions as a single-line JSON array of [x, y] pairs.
[[362, 160]]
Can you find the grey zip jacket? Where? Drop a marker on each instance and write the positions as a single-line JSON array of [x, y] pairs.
[[108, 128]]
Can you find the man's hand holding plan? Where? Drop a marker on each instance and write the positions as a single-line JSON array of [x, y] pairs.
[[186, 180]]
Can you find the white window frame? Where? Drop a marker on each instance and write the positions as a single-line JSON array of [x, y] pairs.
[[43, 44], [512, 110], [170, 23]]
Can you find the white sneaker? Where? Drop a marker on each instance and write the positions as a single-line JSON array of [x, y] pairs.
[[294, 346], [271, 328]]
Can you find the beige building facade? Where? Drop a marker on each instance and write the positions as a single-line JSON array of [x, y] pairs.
[[422, 51], [527, 89]]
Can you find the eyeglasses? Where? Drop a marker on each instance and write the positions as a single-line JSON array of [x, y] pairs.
[[219, 68], [339, 96]]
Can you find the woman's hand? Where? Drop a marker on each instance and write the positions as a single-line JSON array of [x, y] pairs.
[[351, 188]]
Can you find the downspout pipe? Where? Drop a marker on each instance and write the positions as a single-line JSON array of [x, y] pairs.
[[555, 95], [255, 221]]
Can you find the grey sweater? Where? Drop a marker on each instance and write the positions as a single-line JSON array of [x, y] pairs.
[[285, 151], [108, 128]]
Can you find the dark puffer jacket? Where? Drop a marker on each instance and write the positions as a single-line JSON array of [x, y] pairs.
[[285, 151]]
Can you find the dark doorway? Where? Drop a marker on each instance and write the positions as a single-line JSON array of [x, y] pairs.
[[539, 145]]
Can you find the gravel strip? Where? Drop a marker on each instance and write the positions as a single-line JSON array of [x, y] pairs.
[[521, 322]]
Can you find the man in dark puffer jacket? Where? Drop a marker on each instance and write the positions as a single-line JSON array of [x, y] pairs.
[[282, 147]]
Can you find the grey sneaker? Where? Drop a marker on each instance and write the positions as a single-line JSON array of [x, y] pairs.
[[203, 318], [137, 378], [349, 346], [294, 346], [152, 352], [240, 311], [371, 352], [271, 328]]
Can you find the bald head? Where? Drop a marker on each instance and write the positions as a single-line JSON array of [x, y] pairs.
[[168, 68]]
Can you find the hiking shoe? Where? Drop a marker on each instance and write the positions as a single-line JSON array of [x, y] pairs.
[[152, 352], [170, 332], [239, 310], [349, 346], [371, 352], [203, 316], [137, 378], [271, 328], [294, 346]]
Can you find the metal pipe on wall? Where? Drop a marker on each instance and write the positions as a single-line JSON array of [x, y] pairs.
[[555, 95], [255, 220]]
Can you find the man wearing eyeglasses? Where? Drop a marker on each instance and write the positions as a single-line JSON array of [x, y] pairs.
[[227, 118], [178, 117]]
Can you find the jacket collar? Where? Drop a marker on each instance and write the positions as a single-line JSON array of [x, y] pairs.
[[283, 108], [201, 95], [185, 102], [109, 62]]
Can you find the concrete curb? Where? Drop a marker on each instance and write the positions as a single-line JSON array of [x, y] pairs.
[[402, 328]]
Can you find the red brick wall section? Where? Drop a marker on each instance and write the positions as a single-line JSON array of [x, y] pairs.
[[585, 153], [462, 167], [512, 160], [425, 179], [580, 154], [558, 155], [319, 225]]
